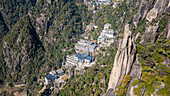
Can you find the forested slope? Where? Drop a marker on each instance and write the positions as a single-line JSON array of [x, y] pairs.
[[33, 35]]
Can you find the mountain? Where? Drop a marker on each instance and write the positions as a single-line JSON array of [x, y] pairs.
[[138, 58], [36, 37], [33, 35]]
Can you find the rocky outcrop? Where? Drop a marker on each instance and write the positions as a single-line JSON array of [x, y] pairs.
[[159, 7], [153, 13], [167, 9], [124, 59], [130, 88], [150, 10], [167, 30], [150, 33], [49, 1], [136, 69], [141, 12], [122, 19]]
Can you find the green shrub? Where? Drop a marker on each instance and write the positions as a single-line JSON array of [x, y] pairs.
[[135, 82], [140, 48], [157, 57]]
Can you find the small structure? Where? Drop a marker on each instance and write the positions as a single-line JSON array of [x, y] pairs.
[[60, 72], [49, 79], [53, 73], [88, 59], [91, 48], [107, 26], [19, 84], [86, 37], [105, 2], [80, 47], [60, 83], [84, 42], [89, 27], [77, 71]]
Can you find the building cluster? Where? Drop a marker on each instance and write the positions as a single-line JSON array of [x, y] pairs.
[[95, 4], [85, 46], [82, 58], [107, 35], [78, 60], [99, 2], [54, 75], [106, 2]]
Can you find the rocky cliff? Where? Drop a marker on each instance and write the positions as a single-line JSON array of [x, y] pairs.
[[126, 59]]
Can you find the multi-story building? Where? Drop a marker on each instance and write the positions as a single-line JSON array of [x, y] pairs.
[[106, 34], [78, 60], [85, 46]]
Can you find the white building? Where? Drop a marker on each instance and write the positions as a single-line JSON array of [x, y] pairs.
[[84, 46], [71, 61], [107, 26], [109, 33], [77, 60], [104, 0], [53, 73], [84, 42], [60, 72], [106, 34]]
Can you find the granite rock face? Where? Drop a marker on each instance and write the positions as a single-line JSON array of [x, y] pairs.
[[130, 89], [151, 10], [150, 32], [159, 7], [153, 13], [167, 30], [123, 62], [126, 59]]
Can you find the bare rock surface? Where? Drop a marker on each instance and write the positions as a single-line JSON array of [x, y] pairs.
[[130, 88], [149, 32], [123, 62], [152, 14]]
